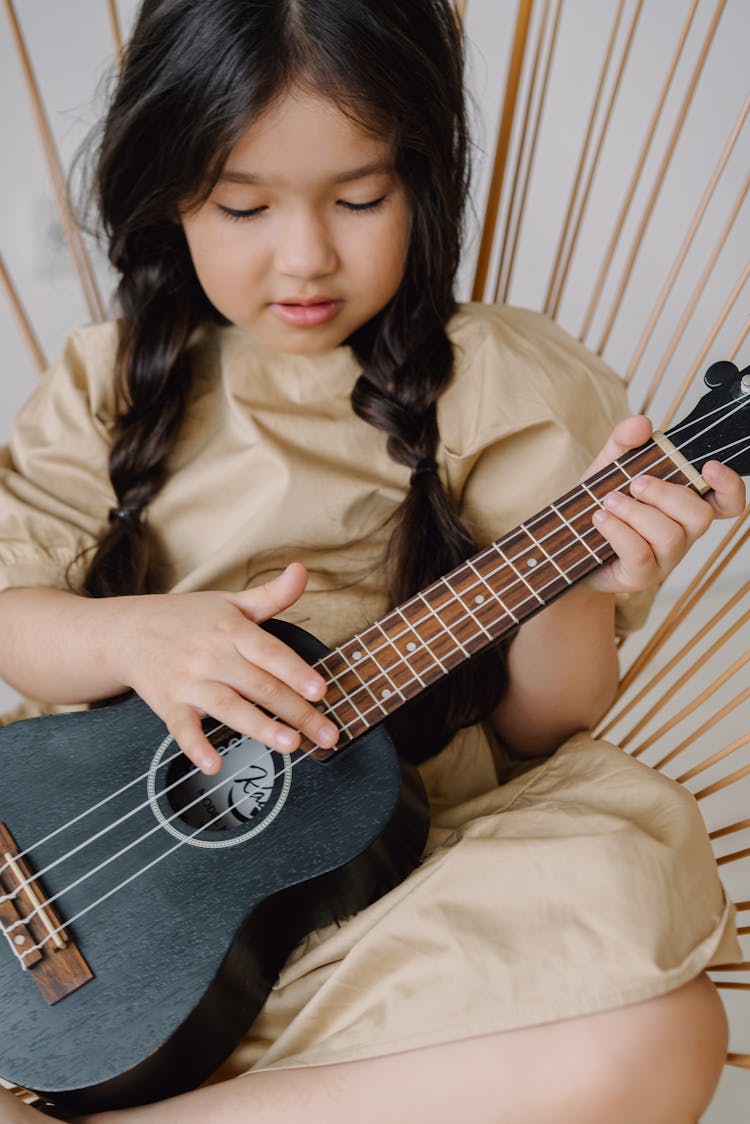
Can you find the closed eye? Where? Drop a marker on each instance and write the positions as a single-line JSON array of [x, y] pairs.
[[363, 206], [231, 213]]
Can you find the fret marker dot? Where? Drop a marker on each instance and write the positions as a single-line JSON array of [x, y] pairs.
[[385, 693], [356, 655], [411, 646], [20, 939], [531, 562], [479, 598]]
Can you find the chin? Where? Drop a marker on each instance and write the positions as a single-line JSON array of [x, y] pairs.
[[301, 342]]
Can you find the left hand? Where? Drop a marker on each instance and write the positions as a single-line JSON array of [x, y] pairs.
[[652, 524]]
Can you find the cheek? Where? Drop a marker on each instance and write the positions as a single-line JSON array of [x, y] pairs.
[[384, 260], [221, 261]]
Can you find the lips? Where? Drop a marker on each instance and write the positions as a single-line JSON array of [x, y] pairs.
[[307, 312]]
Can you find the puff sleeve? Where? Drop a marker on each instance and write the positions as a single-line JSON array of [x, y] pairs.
[[54, 483], [528, 410]]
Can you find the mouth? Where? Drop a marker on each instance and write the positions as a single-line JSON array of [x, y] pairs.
[[307, 312]]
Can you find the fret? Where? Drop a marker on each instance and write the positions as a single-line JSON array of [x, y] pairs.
[[518, 573], [548, 556], [383, 650], [445, 604], [572, 529], [479, 598], [420, 647], [347, 682], [650, 459], [424, 600], [392, 644], [594, 497], [438, 638], [572, 552], [470, 611], [623, 470], [370, 686]]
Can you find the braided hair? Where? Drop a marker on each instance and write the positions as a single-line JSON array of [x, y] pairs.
[[195, 73]]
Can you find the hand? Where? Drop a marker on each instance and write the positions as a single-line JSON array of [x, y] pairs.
[[191, 654], [652, 527]]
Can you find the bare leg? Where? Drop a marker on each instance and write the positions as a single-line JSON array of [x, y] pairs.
[[656, 1062]]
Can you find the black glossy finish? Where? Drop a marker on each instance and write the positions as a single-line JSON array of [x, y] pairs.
[[184, 953]]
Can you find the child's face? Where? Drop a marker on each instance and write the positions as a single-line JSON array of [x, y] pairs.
[[324, 245]]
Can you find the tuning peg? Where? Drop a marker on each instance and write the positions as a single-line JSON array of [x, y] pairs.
[[720, 374]]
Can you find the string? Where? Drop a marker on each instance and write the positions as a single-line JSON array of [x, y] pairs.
[[136, 874], [333, 678], [134, 843], [115, 823], [676, 429], [171, 850], [225, 780], [94, 808]]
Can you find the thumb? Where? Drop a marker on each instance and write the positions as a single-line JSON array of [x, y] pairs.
[[627, 434], [264, 601]]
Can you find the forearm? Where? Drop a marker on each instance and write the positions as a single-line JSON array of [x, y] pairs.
[[54, 645], [562, 673]]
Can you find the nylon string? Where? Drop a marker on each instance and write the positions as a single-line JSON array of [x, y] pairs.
[[225, 781]]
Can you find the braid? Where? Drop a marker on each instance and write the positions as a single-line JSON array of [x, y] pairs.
[[402, 380], [153, 380]]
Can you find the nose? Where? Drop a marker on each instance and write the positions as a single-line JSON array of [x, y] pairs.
[[304, 247]]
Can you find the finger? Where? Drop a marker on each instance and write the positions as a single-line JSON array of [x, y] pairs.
[[185, 725], [636, 566], [728, 497], [666, 538], [627, 434], [266, 651], [684, 506], [295, 714], [265, 601], [245, 717]]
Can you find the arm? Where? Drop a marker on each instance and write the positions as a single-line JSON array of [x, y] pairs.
[[562, 666], [562, 673], [185, 654]]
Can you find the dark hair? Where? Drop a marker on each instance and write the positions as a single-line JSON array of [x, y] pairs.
[[194, 74]]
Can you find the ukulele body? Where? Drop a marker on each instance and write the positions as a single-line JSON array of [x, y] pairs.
[[185, 951]]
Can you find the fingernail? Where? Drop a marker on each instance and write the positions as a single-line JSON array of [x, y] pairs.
[[638, 486], [328, 735], [209, 763], [600, 516], [285, 739], [313, 688], [612, 499]]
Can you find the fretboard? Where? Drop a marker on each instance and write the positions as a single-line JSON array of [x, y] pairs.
[[480, 601]]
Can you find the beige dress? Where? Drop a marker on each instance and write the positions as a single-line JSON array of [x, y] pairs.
[[581, 883]]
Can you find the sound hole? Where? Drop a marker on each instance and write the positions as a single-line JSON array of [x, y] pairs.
[[229, 799]]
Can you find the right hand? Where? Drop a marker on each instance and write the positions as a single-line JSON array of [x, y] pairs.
[[192, 654]]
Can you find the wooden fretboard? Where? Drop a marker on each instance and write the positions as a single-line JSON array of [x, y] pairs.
[[480, 601]]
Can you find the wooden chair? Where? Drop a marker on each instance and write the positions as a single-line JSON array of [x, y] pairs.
[[612, 198], [594, 259]]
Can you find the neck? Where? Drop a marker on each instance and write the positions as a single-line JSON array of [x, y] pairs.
[[482, 600]]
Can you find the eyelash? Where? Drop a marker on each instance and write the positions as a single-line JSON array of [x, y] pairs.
[[253, 212]]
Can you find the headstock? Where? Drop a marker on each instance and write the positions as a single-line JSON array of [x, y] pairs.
[[719, 426]]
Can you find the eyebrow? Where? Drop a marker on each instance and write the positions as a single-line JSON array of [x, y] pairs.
[[375, 168]]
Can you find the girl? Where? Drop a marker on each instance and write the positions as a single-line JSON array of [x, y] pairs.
[[291, 417]]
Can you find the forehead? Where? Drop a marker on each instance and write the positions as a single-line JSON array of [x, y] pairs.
[[305, 138]]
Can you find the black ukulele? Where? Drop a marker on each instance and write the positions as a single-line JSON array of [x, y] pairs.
[[146, 909]]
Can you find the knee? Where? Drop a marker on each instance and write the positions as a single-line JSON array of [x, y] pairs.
[[668, 1054]]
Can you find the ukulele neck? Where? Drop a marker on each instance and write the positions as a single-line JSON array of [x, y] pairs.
[[485, 598]]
